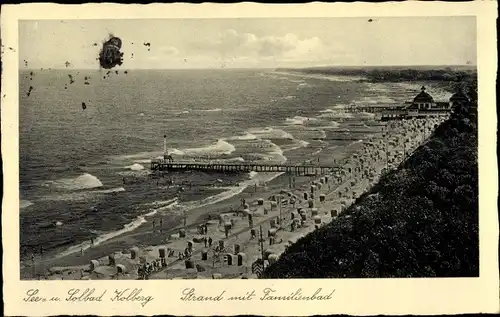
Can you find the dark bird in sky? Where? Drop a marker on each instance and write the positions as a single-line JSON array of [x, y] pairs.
[[29, 91], [71, 80], [68, 64], [147, 44]]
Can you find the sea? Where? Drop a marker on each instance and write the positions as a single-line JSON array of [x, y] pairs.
[[87, 138]]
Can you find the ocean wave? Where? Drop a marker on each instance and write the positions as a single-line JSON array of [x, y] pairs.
[[247, 136], [298, 145], [106, 236], [221, 147], [273, 156], [135, 167], [84, 181], [335, 109], [271, 133], [233, 159], [210, 110], [161, 203], [258, 178], [298, 120], [284, 98], [80, 196], [24, 203], [331, 125], [365, 115], [137, 173], [335, 114]]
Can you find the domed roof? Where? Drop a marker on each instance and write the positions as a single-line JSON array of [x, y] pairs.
[[423, 96]]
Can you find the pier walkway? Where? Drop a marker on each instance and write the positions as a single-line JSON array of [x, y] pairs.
[[299, 170]]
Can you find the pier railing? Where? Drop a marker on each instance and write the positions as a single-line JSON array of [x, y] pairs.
[[165, 165]]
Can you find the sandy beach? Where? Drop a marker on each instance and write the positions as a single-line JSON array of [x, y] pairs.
[[307, 203]]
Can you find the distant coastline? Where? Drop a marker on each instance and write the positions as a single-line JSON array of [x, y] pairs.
[[394, 73]]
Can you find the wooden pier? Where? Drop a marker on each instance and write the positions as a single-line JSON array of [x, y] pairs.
[[299, 170]]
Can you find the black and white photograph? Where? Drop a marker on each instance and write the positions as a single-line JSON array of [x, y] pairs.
[[249, 148]]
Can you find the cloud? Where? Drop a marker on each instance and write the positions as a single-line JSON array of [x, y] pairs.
[[169, 50], [233, 45]]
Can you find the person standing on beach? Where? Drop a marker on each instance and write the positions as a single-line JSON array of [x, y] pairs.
[[161, 225], [92, 241], [209, 241]]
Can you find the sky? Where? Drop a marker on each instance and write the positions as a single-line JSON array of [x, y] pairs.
[[251, 43]]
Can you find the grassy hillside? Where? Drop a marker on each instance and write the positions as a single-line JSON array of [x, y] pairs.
[[420, 220]]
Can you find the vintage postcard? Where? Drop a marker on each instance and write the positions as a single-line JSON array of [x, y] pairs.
[[249, 159]]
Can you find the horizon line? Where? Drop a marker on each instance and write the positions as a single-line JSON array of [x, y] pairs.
[[250, 68]]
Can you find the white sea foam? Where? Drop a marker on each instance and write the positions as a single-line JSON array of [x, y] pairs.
[[145, 161], [365, 115], [24, 204], [298, 144], [247, 136], [258, 178], [135, 167], [335, 114], [271, 133], [331, 125], [298, 120], [233, 159], [221, 147], [80, 196], [84, 181], [104, 237], [211, 110]]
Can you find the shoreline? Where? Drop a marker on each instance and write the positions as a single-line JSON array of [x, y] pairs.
[[142, 234], [143, 238]]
